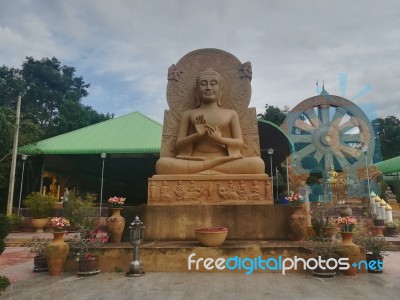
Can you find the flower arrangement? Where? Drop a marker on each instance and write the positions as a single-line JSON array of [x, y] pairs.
[[116, 202], [346, 223], [295, 199], [58, 224], [38, 245], [373, 244]]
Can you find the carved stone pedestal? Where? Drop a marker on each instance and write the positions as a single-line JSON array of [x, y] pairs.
[[209, 190]]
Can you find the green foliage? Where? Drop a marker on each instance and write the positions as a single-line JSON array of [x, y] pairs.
[[5, 226], [40, 205], [320, 247], [80, 211], [274, 114], [51, 95], [15, 220], [388, 131], [4, 283], [51, 105], [2, 246], [373, 244]]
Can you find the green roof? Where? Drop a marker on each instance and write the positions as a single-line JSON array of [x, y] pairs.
[[279, 129], [133, 133], [389, 166]]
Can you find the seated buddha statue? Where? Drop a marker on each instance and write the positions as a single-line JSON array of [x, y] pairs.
[[209, 137], [332, 175]]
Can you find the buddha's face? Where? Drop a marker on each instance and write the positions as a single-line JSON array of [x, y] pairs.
[[208, 88]]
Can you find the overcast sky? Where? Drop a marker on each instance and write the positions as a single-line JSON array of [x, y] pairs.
[[124, 48]]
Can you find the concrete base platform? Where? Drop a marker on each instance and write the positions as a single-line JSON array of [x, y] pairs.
[[245, 222], [172, 256]]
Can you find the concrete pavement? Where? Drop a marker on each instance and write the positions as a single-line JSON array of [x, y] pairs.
[[29, 285]]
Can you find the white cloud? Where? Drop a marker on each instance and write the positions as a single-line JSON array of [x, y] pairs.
[[124, 48]]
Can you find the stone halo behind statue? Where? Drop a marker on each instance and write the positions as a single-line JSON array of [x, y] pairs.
[[182, 77]]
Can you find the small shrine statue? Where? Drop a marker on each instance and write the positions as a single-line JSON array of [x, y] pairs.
[[332, 175]]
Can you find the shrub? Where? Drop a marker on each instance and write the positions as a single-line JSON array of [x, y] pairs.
[[5, 226], [374, 245], [80, 211], [40, 205], [4, 283], [15, 220], [323, 248]]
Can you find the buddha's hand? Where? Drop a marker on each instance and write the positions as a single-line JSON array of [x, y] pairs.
[[200, 125], [215, 134]]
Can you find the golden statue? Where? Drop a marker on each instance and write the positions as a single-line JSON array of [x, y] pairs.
[[332, 175]]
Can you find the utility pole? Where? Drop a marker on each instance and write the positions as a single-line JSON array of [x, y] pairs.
[[14, 159]]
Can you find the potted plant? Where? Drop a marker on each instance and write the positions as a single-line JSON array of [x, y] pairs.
[[391, 228], [16, 222], [40, 207], [89, 236], [321, 220], [374, 247], [326, 250], [38, 245]]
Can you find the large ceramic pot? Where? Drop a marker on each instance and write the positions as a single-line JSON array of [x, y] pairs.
[[377, 259], [351, 251], [40, 264], [56, 253], [390, 231], [298, 224], [211, 236], [39, 224], [88, 266], [115, 225]]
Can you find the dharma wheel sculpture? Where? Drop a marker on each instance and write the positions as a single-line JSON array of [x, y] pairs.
[[333, 130]]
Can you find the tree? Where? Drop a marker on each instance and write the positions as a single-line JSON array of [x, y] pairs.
[[51, 105], [388, 131], [274, 114], [49, 89]]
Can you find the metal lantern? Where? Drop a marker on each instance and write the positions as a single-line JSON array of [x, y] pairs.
[[136, 234]]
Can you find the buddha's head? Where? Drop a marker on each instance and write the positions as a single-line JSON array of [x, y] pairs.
[[208, 87]]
